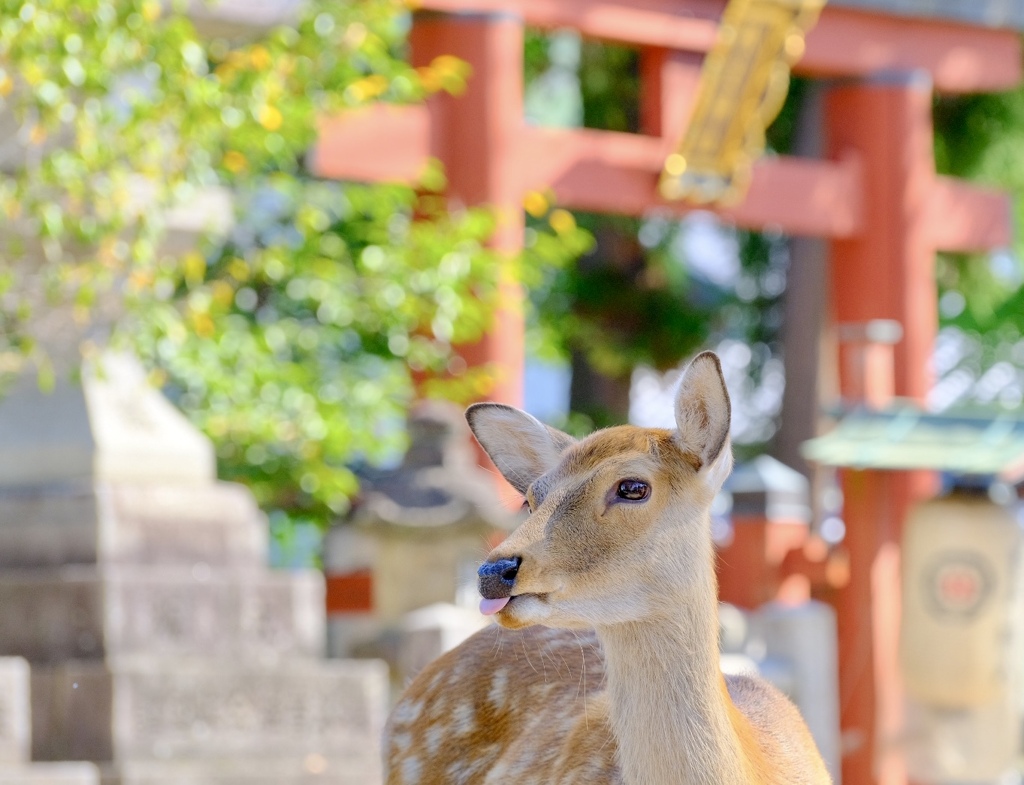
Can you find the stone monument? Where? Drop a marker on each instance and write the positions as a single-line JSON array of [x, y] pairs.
[[134, 583], [415, 538], [15, 736]]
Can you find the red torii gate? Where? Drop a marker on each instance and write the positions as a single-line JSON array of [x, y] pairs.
[[876, 198], [491, 156]]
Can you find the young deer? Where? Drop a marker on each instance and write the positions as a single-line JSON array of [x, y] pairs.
[[617, 556]]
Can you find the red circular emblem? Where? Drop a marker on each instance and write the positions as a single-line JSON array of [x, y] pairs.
[[958, 583]]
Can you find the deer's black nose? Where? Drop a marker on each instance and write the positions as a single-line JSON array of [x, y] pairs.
[[496, 578]]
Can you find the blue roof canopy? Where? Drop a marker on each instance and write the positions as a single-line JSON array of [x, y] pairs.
[[905, 437]]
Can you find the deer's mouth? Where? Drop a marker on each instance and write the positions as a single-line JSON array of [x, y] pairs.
[[525, 606], [539, 595], [491, 607], [524, 609]]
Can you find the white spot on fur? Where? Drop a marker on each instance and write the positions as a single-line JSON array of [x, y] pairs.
[[407, 712], [401, 742], [435, 735], [411, 770], [465, 771], [499, 686], [457, 772], [464, 719]]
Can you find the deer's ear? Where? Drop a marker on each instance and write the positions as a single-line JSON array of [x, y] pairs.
[[521, 446], [703, 413]]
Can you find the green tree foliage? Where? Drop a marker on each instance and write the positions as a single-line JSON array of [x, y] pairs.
[[122, 110], [292, 341], [624, 304], [981, 137]]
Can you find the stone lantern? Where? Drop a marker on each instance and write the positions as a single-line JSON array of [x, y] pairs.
[[416, 534], [962, 575]]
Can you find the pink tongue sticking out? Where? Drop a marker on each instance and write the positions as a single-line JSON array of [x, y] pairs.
[[487, 607]]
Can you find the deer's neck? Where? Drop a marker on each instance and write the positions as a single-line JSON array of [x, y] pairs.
[[671, 716]]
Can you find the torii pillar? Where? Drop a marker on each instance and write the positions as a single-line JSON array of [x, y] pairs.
[[886, 271], [481, 166]]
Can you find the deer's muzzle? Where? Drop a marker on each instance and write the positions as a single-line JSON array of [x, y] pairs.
[[497, 578]]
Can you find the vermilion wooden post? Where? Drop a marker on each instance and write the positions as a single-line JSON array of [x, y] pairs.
[[750, 566], [885, 272], [668, 89], [477, 137]]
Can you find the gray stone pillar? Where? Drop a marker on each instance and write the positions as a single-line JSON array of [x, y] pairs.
[[161, 647]]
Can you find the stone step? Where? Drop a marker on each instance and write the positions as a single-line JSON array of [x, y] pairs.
[[119, 523], [49, 774], [109, 424], [113, 611], [167, 709], [312, 769], [15, 722]]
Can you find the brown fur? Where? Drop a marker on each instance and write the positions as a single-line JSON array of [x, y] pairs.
[[642, 701], [491, 700]]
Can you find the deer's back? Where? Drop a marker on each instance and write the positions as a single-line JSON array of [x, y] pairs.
[[786, 745], [522, 704]]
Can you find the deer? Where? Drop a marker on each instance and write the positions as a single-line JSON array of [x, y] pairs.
[[603, 666]]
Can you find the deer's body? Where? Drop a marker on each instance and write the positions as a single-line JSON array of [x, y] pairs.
[[622, 683]]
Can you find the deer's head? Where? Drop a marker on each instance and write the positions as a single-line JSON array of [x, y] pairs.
[[618, 528]]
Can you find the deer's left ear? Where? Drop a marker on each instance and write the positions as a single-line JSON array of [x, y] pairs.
[[521, 446], [703, 413]]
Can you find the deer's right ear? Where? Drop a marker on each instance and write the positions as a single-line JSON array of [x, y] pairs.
[[521, 446], [703, 411]]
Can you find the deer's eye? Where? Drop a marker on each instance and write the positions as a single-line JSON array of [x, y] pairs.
[[633, 490]]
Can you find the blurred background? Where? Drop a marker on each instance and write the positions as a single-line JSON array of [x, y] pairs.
[[255, 258]]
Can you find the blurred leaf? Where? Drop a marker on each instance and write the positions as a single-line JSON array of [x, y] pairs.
[[292, 342]]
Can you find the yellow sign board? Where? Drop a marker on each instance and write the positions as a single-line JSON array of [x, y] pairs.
[[743, 84]]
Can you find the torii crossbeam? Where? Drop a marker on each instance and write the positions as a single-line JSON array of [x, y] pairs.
[[492, 157]]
